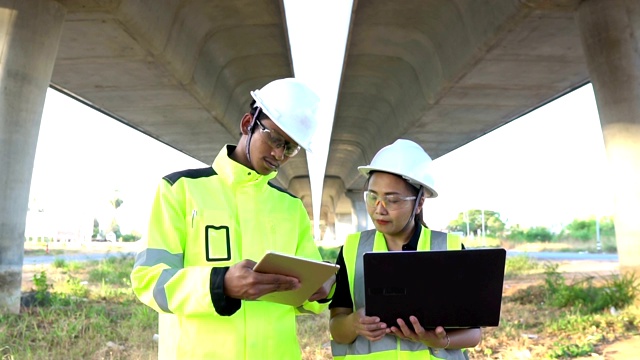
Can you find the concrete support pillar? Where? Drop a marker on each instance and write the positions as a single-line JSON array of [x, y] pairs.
[[610, 31], [359, 210], [29, 36]]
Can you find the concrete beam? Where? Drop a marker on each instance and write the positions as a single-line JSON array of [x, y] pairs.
[[29, 36]]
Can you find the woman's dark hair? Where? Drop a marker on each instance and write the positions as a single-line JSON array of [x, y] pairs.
[[417, 218]]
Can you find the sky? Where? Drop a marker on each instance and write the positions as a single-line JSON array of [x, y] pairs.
[[543, 169]]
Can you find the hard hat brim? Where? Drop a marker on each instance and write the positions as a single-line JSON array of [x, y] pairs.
[[365, 170]]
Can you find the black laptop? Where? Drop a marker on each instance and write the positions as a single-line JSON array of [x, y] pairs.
[[454, 289]]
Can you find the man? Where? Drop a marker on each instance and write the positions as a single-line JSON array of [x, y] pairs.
[[209, 225]]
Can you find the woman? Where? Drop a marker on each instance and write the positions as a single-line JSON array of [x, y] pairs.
[[398, 181]]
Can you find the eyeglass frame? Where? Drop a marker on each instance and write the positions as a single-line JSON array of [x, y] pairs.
[[385, 198], [282, 143]]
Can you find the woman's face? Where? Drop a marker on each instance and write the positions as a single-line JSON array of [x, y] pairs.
[[391, 212]]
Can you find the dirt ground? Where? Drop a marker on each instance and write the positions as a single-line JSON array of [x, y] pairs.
[[621, 350]]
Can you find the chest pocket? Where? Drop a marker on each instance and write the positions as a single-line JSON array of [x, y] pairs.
[[217, 242], [211, 239]]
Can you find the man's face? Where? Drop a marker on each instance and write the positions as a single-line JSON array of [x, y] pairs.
[[269, 144]]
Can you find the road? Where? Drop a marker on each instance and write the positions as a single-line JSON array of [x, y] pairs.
[[544, 255], [570, 256], [49, 259]]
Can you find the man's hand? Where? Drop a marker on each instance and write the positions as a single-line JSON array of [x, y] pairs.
[[241, 282], [324, 290], [433, 338]]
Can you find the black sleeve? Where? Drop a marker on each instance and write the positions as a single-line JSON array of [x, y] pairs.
[[224, 305], [342, 294]]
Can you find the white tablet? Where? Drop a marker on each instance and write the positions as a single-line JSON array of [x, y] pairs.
[[312, 275]]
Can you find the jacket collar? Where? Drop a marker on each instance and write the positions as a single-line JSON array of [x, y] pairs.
[[234, 172]]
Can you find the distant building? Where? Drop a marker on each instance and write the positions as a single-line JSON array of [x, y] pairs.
[[58, 226]]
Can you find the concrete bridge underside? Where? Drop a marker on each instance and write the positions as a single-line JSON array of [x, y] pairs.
[[441, 73]]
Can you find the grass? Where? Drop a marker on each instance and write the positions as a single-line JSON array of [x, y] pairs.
[[520, 265], [81, 311], [89, 312]]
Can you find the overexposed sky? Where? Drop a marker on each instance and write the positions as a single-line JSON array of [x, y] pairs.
[[84, 158], [317, 59], [545, 168]]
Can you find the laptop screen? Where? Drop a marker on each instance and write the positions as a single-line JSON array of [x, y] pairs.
[[454, 288]]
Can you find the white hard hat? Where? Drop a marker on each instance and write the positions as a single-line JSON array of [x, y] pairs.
[[292, 106], [404, 158]]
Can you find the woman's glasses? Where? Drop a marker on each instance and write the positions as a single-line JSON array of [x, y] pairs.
[[277, 142], [390, 202]]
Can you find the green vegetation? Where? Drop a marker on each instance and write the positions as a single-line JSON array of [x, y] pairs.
[[72, 318], [86, 310], [615, 292], [580, 315], [59, 262], [520, 265], [494, 226], [579, 235], [329, 253]]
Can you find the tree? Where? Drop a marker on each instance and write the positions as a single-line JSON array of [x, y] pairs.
[[116, 202], [493, 224], [96, 228], [581, 229]]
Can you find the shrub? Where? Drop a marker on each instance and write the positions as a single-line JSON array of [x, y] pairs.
[[59, 263], [131, 237], [520, 264], [329, 254], [42, 289], [617, 292]]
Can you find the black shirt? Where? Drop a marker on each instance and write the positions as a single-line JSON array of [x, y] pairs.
[[342, 294]]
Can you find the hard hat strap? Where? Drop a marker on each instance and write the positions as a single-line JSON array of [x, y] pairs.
[[253, 123], [415, 207]]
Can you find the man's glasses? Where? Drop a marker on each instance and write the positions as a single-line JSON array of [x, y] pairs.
[[277, 142], [390, 202]]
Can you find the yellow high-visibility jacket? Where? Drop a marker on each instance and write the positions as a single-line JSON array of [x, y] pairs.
[[390, 346], [202, 222]]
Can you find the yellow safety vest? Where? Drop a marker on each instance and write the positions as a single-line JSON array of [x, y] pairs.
[[390, 346], [216, 217]]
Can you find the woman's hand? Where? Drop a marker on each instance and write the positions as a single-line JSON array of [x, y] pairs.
[[433, 338], [324, 290], [368, 326]]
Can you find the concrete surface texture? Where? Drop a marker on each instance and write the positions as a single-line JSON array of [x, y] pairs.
[[29, 34], [440, 73], [614, 64]]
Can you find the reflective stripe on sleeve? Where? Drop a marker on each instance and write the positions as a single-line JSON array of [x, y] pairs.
[[159, 292], [153, 257]]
